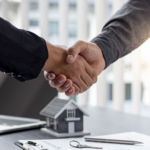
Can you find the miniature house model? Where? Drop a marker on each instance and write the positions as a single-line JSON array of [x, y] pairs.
[[64, 118]]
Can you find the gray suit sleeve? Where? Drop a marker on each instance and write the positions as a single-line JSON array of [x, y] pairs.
[[125, 31]]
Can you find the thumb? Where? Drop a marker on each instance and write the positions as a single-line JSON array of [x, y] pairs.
[[75, 50]]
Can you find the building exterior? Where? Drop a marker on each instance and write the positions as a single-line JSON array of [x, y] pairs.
[[65, 23]]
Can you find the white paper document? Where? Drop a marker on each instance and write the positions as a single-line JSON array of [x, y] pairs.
[[63, 144]]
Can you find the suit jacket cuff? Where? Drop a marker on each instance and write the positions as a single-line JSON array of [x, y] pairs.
[[106, 43]]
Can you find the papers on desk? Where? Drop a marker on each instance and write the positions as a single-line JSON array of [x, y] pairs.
[[63, 144]]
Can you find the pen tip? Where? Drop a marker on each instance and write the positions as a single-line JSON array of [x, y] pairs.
[[139, 142]]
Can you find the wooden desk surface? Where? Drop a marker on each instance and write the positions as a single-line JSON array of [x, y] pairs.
[[100, 122]]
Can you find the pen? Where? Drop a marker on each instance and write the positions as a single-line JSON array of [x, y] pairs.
[[116, 141], [19, 144]]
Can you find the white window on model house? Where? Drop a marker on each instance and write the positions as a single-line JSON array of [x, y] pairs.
[[71, 113]]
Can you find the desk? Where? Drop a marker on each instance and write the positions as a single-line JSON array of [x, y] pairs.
[[100, 122]]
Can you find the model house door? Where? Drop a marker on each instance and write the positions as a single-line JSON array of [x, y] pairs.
[[71, 127]]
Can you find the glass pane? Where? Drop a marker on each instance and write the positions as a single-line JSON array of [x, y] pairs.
[[53, 28], [72, 29], [33, 23]]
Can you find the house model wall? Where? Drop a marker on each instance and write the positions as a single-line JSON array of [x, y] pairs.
[[64, 116]]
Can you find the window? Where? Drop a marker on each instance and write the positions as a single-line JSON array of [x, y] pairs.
[[128, 91], [110, 91], [72, 29], [72, 7], [91, 8], [110, 7], [71, 113], [53, 7], [33, 6], [34, 23], [53, 27]]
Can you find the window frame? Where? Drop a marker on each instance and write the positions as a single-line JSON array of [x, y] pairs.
[[71, 113]]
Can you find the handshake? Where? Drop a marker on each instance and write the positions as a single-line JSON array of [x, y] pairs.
[[73, 70]]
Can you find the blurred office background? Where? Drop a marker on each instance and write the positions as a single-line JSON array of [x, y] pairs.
[[124, 86]]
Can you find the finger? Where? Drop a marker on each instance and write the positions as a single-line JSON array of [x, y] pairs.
[[80, 81], [91, 73], [87, 79], [70, 91], [50, 83], [75, 50], [76, 88], [83, 86], [49, 76], [65, 86], [58, 81], [80, 86]]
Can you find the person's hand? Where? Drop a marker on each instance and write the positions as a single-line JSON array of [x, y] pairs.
[[90, 52], [79, 73]]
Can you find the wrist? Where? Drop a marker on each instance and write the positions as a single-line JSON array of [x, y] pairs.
[[101, 57], [48, 66], [56, 57]]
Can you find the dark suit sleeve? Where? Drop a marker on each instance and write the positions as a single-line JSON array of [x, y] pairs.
[[22, 53], [125, 31]]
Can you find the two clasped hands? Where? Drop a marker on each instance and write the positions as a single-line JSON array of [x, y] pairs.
[[73, 70]]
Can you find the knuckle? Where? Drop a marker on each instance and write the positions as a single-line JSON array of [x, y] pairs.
[[76, 93], [64, 89], [46, 75], [61, 89], [77, 90], [71, 49], [95, 79], [51, 84], [94, 76], [90, 84], [56, 84], [69, 82], [73, 76], [83, 89], [80, 42], [79, 70]]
